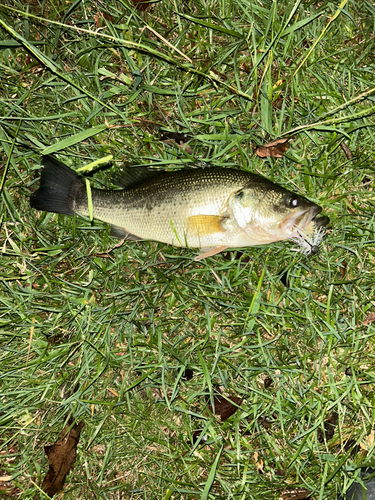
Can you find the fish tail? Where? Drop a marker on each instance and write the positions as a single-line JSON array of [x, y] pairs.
[[59, 188]]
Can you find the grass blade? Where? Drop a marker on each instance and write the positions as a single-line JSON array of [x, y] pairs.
[[211, 476]]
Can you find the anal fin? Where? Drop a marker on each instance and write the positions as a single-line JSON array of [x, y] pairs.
[[122, 233], [209, 252]]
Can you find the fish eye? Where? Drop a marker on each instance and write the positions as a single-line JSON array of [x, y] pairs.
[[239, 195], [292, 201]]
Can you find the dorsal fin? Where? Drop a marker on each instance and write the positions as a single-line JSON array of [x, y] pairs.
[[128, 176]]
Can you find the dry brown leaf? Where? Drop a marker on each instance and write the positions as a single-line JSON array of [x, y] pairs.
[[295, 494], [369, 319], [329, 427], [346, 150], [61, 456], [99, 16], [7, 489], [259, 464], [368, 441], [225, 407], [274, 149], [141, 5]]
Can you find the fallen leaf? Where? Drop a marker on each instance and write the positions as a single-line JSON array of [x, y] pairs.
[[296, 494], [8, 491], [99, 16], [5, 479], [141, 5], [346, 150], [369, 319], [343, 268], [259, 464], [225, 407], [275, 149], [279, 472], [329, 427], [368, 442], [61, 456]]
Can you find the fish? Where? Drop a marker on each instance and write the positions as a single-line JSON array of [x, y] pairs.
[[211, 209]]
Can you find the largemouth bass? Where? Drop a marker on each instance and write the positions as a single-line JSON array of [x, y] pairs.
[[207, 208]]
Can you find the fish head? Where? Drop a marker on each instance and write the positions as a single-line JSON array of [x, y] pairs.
[[267, 212]]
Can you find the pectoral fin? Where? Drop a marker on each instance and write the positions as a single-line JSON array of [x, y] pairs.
[[203, 225], [209, 252]]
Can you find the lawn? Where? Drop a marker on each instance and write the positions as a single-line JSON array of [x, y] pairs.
[[138, 342]]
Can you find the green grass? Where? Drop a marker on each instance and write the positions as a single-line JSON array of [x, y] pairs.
[[105, 334]]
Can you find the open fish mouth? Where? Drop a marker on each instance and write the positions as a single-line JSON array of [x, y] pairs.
[[300, 221]]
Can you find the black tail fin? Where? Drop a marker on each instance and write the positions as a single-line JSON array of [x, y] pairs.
[[59, 186]]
